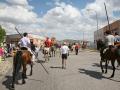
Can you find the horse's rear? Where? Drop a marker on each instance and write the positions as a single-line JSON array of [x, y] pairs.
[[46, 53], [27, 57], [21, 59]]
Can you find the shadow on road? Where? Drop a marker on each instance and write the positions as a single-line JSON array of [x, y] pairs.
[[56, 67], [40, 61], [94, 74], [36, 80], [7, 82], [112, 79], [98, 65]]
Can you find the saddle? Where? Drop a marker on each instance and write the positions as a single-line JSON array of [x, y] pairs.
[[23, 48]]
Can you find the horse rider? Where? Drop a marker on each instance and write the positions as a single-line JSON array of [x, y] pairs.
[[117, 45], [117, 38], [109, 42], [25, 44], [47, 44]]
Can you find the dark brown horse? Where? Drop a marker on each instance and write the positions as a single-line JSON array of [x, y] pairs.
[[21, 59], [109, 55]]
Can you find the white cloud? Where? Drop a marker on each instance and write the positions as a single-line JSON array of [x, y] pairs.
[[98, 6], [18, 14], [62, 21]]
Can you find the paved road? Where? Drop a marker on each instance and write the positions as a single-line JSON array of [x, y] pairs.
[[82, 73]]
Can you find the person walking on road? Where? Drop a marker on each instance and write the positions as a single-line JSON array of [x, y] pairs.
[[76, 48], [64, 53]]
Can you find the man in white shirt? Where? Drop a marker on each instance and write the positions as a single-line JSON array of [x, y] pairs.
[[109, 40], [26, 45], [64, 53], [25, 41]]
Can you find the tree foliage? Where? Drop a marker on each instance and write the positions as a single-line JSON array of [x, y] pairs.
[[2, 34]]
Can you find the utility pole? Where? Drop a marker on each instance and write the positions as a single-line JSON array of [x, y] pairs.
[[107, 16]]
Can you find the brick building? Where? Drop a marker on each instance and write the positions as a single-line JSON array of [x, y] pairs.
[[114, 27]]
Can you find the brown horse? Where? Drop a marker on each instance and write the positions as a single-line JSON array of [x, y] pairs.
[[109, 55], [21, 59]]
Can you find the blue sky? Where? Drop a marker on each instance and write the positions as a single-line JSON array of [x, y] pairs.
[[64, 19], [42, 6]]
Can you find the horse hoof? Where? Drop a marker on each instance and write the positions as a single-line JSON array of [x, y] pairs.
[[111, 76], [102, 71], [12, 87], [105, 72], [23, 82], [30, 74]]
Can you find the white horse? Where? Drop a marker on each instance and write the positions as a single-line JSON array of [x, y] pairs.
[[46, 51]]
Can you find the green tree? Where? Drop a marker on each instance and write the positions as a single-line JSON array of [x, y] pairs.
[[2, 34]]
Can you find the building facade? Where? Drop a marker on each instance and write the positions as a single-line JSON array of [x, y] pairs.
[[14, 39], [114, 27]]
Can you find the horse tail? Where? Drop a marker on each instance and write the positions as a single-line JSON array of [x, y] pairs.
[[17, 61]]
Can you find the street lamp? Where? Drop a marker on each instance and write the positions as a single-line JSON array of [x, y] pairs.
[[96, 18]]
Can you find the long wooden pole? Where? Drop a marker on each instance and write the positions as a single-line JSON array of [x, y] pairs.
[[107, 16]]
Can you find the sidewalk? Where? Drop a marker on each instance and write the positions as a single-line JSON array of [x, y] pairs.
[[5, 66]]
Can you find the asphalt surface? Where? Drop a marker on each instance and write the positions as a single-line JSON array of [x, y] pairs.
[[82, 73]]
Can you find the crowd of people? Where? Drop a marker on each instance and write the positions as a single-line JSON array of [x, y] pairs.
[[26, 44]]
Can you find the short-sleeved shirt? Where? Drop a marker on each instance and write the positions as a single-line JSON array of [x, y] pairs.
[[64, 49], [47, 43], [25, 42], [117, 38], [109, 40]]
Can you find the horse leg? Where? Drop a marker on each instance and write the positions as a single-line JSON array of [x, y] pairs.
[[113, 65], [48, 57], [118, 62], [45, 55], [24, 74], [49, 53], [14, 73], [106, 65], [101, 66], [54, 53], [13, 82], [31, 65]]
